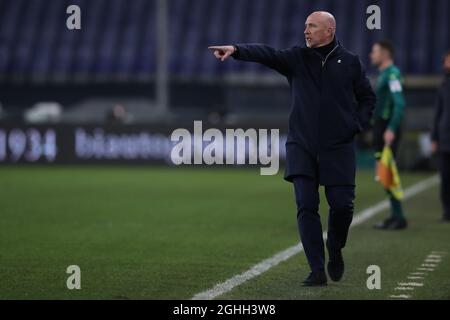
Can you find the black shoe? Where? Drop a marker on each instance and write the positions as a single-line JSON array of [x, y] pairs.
[[398, 224], [315, 279], [445, 219], [335, 266], [384, 224]]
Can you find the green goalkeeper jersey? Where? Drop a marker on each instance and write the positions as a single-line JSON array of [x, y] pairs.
[[390, 100]]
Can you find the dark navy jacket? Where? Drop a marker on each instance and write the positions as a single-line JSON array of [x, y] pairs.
[[332, 101], [441, 126]]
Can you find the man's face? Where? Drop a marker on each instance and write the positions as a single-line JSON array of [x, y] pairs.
[[447, 64], [316, 32], [377, 55]]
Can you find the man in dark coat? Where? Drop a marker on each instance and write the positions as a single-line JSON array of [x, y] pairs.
[[441, 138], [332, 101]]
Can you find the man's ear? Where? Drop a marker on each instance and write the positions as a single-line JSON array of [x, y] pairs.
[[330, 31]]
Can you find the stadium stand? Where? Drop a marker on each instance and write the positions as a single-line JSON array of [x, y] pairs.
[[118, 38]]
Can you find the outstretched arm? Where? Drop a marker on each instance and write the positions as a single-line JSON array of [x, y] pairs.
[[223, 52], [279, 60]]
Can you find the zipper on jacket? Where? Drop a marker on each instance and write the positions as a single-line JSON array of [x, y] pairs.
[[328, 55]]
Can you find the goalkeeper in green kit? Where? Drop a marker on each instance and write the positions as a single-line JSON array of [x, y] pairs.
[[387, 120]]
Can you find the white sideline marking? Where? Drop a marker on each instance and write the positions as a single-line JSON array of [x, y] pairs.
[[432, 261], [401, 296], [410, 284], [431, 265], [265, 265], [425, 269]]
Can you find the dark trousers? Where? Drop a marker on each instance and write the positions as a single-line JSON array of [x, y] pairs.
[[444, 170], [340, 200]]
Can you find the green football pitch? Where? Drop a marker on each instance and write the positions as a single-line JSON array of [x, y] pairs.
[[154, 233]]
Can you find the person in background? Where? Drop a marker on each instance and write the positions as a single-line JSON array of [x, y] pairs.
[[387, 120], [440, 137]]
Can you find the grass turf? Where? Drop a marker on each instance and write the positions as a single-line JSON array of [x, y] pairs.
[[154, 233]]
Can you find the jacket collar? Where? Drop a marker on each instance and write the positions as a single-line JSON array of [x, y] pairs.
[[333, 52]]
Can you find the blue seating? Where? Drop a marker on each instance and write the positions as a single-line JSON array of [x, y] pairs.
[[118, 39]]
